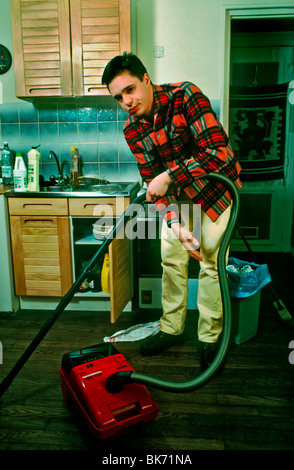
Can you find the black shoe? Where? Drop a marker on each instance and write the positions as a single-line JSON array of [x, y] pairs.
[[159, 342], [208, 353]]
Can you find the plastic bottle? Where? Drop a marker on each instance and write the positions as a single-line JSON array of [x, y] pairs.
[[75, 165], [20, 174], [105, 278], [33, 169], [7, 165]]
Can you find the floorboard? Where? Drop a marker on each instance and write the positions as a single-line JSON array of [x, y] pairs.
[[248, 405]]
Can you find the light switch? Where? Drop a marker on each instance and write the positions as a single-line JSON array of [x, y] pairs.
[[158, 52]]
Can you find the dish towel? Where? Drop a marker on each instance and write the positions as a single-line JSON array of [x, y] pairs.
[[134, 333]]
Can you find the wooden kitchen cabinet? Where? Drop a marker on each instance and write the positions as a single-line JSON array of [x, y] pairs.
[[83, 214], [52, 237], [61, 47], [40, 246]]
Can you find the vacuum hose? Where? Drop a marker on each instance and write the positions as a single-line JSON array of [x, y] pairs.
[[115, 382]]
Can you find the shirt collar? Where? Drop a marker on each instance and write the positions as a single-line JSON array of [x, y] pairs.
[[160, 97]]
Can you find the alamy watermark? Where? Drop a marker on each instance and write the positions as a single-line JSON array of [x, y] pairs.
[[142, 223]]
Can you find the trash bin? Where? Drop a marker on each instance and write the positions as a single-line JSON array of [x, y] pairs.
[[245, 317], [245, 283]]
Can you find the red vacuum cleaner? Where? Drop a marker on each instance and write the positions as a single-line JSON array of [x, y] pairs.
[[83, 376], [105, 389]]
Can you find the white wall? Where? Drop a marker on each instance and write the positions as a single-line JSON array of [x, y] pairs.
[[7, 88], [192, 33]]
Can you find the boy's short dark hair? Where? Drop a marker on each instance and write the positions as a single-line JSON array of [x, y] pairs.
[[126, 61]]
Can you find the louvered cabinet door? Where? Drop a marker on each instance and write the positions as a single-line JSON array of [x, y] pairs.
[[100, 30], [41, 250], [41, 255], [41, 47]]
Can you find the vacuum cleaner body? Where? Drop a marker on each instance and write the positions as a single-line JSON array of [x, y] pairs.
[[83, 376]]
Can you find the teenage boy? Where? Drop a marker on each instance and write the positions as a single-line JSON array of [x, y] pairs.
[[177, 140]]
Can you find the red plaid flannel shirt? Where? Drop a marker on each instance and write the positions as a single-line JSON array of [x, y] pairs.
[[188, 141]]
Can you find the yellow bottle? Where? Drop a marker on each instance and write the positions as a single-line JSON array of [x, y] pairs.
[[105, 282], [75, 168]]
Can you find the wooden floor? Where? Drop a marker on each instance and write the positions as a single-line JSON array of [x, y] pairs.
[[248, 405]]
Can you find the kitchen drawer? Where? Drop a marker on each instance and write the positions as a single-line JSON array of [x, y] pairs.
[[37, 206], [98, 207]]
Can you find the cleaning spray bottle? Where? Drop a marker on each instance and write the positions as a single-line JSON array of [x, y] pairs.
[[33, 169], [105, 278], [19, 174]]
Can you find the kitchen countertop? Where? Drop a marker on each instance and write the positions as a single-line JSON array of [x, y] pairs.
[[130, 191], [5, 187]]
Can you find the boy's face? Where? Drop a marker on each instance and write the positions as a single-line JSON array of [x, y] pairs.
[[134, 96]]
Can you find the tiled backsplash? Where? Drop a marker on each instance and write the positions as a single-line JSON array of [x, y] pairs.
[[94, 127]]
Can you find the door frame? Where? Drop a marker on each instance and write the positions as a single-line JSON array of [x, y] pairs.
[[242, 12], [286, 10]]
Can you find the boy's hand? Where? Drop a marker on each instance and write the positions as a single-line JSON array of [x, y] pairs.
[[188, 241], [158, 186]]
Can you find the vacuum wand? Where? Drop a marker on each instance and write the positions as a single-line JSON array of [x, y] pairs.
[[68, 296]]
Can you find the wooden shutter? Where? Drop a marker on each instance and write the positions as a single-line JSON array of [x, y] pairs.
[[41, 255], [100, 30], [41, 44]]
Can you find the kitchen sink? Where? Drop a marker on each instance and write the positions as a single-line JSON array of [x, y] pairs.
[[111, 188], [55, 189], [85, 188]]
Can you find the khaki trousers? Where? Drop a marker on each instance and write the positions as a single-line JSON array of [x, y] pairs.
[[175, 260]]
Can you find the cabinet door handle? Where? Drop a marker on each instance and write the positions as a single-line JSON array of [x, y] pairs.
[[98, 90], [95, 205], [34, 221], [100, 210], [36, 206], [44, 91]]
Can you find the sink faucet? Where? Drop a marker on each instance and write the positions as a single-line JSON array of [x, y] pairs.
[[60, 175]]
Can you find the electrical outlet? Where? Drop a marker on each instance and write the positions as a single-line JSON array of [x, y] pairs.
[[158, 52], [146, 296]]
